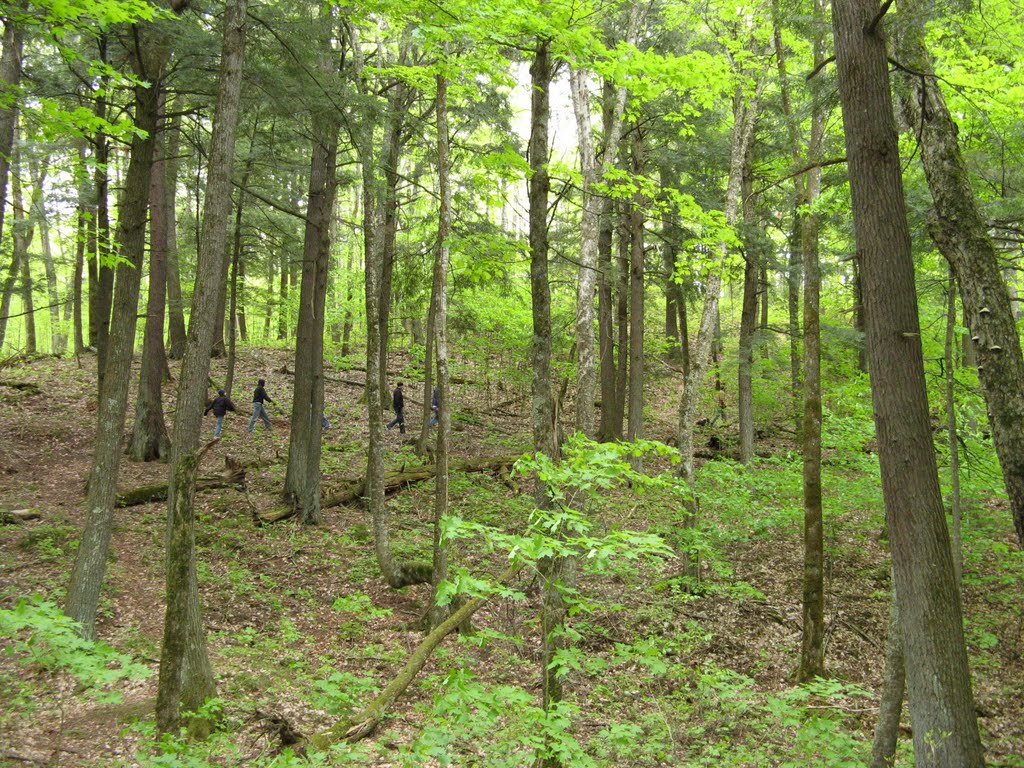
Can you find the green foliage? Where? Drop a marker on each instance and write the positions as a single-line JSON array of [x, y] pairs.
[[43, 636]]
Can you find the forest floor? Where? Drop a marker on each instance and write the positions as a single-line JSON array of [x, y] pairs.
[[303, 629]]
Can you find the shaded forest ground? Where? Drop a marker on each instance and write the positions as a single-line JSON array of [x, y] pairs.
[[303, 628]]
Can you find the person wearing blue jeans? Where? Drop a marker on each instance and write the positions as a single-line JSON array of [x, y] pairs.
[[435, 407], [259, 397], [398, 403], [220, 406]]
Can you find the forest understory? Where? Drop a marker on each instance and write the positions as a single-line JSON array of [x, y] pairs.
[[303, 629]]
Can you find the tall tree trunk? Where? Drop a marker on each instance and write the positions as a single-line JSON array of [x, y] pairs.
[[440, 328], [396, 574], [186, 676], [58, 336], [812, 648], [101, 273], [951, 428], [10, 82], [84, 211], [611, 415], [149, 440], [283, 310], [622, 310], [22, 234], [302, 478], [961, 233], [748, 316], [744, 113], [236, 257], [593, 206], [175, 303], [556, 572], [91, 561], [938, 681], [635, 425]]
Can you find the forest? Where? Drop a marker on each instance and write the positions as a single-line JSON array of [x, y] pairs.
[[633, 383]]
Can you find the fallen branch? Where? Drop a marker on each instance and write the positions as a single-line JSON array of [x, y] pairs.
[[232, 477], [396, 481], [22, 386], [366, 722], [10, 517]]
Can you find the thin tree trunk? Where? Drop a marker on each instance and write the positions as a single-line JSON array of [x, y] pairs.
[[951, 429], [10, 82], [938, 681], [186, 677], [887, 729], [635, 425], [444, 415], [812, 648], [175, 303], [396, 574], [748, 317]]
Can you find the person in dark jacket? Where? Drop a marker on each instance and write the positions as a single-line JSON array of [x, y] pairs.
[[435, 407], [398, 403], [259, 397], [220, 406]]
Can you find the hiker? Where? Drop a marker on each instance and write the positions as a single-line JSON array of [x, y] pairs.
[[398, 403], [220, 406], [435, 407], [259, 397]]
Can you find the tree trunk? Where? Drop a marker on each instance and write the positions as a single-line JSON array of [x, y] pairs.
[[622, 309], [887, 729], [22, 234], [396, 574], [10, 82], [302, 479], [149, 440], [101, 273], [951, 428], [635, 425], [812, 648], [58, 336], [175, 303], [91, 561], [438, 613], [961, 233], [83, 215], [938, 681], [187, 681], [748, 316]]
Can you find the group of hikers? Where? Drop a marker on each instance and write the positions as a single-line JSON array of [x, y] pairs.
[[221, 404]]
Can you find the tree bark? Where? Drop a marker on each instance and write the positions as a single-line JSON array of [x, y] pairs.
[[635, 425], [438, 613], [187, 680], [748, 315], [10, 82], [302, 479], [149, 440], [396, 574], [148, 58], [887, 729], [961, 233], [938, 681], [175, 304]]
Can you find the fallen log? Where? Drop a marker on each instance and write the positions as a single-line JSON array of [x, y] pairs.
[[23, 386], [396, 481], [13, 516], [233, 476]]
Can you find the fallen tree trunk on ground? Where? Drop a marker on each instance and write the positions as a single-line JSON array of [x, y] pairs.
[[366, 722], [395, 481], [232, 477], [11, 517]]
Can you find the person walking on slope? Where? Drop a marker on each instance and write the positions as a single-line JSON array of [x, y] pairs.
[[435, 407], [259, 397], [398, 403], [220, 406]]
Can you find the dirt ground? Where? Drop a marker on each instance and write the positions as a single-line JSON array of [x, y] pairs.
[[46, 434]]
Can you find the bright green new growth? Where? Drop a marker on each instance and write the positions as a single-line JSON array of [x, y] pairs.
[[45, 637]]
